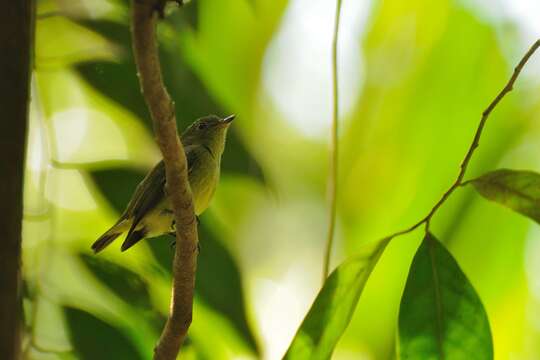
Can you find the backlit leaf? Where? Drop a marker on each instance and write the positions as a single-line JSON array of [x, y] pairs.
[[334, 306], [515, 189]]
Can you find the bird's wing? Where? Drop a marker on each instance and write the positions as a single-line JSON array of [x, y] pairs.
[[151, 191], [148, 193]]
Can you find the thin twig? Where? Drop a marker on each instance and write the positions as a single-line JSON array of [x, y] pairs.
[[475, 143], [333, 174], [144, 20]]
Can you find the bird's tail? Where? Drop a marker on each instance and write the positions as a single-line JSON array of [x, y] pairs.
[[107, 238]]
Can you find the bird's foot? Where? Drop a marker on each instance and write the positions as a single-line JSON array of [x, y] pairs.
[[159, 7], [172, 244]]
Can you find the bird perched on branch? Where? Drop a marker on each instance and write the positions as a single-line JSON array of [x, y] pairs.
[[149, 212]]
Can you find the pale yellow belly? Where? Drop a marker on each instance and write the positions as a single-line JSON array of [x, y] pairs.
[[159, 220], [203, 188]]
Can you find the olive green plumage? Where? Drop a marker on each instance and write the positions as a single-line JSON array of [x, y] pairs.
[[149, 212]]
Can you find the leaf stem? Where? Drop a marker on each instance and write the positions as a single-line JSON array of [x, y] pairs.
[[475, 143], [333, 173]]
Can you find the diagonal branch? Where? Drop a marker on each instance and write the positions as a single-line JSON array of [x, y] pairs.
[[475, 143], [144, 21]]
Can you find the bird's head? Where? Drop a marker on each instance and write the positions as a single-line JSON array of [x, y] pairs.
[[209, 131]]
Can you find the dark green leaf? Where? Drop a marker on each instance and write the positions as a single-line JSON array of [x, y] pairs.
[[128, 285], [103, 75], [441, 316], [117, 185], [515, 189], [334, 306], [116, 32], [95, 339]]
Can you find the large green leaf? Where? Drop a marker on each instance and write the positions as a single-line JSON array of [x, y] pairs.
[[334, 306], [125, 283], [441, 316], [516, 189], [95, 339]]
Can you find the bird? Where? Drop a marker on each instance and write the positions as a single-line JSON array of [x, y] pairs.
[[149, 212]]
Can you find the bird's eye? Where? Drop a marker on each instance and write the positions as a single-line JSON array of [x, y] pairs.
[[202, 126]]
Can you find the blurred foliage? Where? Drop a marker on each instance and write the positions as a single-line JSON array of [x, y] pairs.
[[428, 70]]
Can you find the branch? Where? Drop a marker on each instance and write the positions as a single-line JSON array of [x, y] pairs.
[[475, 143], [144, 20], [16, 47], [332, 178]]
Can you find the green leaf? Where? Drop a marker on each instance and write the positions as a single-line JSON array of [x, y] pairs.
[[441, 316], [334, 306], [95, 339], [515, 189], [125, 283]]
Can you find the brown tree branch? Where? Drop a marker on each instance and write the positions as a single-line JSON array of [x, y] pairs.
[[16, 49], [144, 21]]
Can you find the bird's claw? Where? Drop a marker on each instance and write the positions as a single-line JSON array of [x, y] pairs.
[[172, 244], [159, 7]]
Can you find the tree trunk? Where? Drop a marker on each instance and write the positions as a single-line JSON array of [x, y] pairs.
[[16, 41]]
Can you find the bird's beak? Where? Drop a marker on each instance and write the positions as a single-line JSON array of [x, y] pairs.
[[228, 119]]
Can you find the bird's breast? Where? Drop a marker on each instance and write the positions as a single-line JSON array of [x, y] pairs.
[[203, 181]]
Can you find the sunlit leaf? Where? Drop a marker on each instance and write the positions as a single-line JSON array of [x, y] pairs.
[[95, 339], [61, 42], [441, 316], [516, 189], [334, 306]]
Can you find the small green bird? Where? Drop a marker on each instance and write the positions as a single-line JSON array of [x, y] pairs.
[[149, 212]]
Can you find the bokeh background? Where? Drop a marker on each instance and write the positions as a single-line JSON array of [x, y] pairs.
[[414, 78]]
